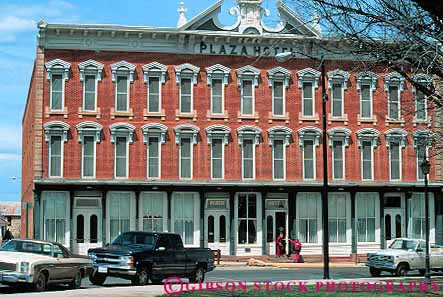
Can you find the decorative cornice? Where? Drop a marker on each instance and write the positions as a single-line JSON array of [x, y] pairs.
[[122, 130], [367, 134], [185, 70], [308, 75], [250, 132], [56, 128], [339, 133], [309, 133], [218, 131], [423, 138], [247, 72], [186, 130], [280, 132], [89, 129], [395, 79], [338, 75], [155, 69], [124, 68], [279, 74], [154, 129], [367, 77], [57, 66], [397, 135], [218, 71], [91, 67]]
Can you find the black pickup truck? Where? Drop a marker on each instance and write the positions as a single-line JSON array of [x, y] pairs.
[[143, 256]]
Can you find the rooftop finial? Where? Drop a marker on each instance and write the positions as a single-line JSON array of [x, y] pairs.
[[181, 14]]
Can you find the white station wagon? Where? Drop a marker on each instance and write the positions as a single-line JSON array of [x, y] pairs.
[[39, 263]]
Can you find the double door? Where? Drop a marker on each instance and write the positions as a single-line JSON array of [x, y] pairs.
[[394, 224], [87, 229], [217, 230], [276, 223]]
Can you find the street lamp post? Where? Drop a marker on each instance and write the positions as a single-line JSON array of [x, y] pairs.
[[425, 168], [281, 57]]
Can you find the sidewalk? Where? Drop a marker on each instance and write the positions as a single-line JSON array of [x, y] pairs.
[[258, 263]]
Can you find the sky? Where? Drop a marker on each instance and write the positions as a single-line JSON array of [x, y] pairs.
[[18, 19]]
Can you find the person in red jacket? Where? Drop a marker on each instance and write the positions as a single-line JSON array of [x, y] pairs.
[[280, 245], [296, 246]]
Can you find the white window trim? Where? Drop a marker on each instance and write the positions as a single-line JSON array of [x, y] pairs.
[[218, 132], [221, 72], [400, 165], [252, 133], [348, 220], [58, 67], [398, 104], [283, 75], [319, 217], [89, 129], [273, 99], [127, 70], [399, 136], [95, 95], [253, 160], [312, 76], [394, 79], [180, 97], [418, 163], [154, 130], [127, 158], [372, 162], [244, 73], [90, 68], [241, 97], [259, 219], [314, 159], [95, 160], [367, 78], [132, 212], [371, 112], [309, 133], [273, 160], [303, 99], [62, 152], [344, 77], [284, 134], [371, 135], [180, 158], [68, 218], [223, 159], [344, 160], [377, 218], [159, 158], [343, 135], [196, 234], [165, 209], [193, 77], [159, 70], [186, 131], [127, 93]]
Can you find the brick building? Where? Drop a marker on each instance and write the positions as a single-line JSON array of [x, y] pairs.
[[198, 130]]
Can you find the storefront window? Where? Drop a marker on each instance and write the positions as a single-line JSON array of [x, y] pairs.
[[184, 216], [153, 205], [120, 214], [307, 203], [366, 216], [337, 217], [247, 219], [55, 216], [417, 216]]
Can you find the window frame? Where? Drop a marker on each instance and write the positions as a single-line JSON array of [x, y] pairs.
[[398, 101], [94, 156], [394, 79], [242, 96], [303, 98], [141, 211], [127, 158], [222, 158], [95, 93], [57, 67], [90, 68], [191, 158], [342, 101], [362, 160], [313, 160], [50, 157], [243, 159], [222, 97], [123, 69], [301, 215], [217, 72], [367, 78], [180, 96], [117, 92], [148, 158], [334, 159], [44, 200], [56, 128], [359, 205], [62, 93], [371, 113], [159, 71], [190, 72], [258, 218], [283, 98], [400, 165], [336, 77], [283, 160]]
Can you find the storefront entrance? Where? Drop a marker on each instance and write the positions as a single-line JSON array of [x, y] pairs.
[[217, 224], [276, 223], [394, 217], [87, 224]]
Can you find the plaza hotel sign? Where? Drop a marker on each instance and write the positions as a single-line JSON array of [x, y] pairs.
[[256, 50]]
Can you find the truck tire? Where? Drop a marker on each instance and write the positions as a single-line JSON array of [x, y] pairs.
[[76, 283], [198, 276], [97, 279], [40, 283], [374, 271], [402, 269], [141, 278]]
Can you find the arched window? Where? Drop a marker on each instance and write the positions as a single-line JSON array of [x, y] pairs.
[[269, 229], [211, 229], [80, 228], [222, 227], [93, 225]]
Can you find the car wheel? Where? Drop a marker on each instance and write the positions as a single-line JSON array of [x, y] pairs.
[[97, 279], [141, 278], [374, 271], [402, 270], [40, 283], [199, 275], [76, 283], [422, 271]]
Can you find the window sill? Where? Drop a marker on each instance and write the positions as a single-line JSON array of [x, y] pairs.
[[284, 118], [344, 119], [211, 116], [49, 112], [302, 118], [400, 122], [82, 113], [426, 122], [179, 115], [372, 120], [253, 117], [160, 114], [128, 114]]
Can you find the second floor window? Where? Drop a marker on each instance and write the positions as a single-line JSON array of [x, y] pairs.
[[278, 105], [420, 105], [89, 96], [421, 153], [366, 160], [394, 103], [308, 99], [57, 92], [337, 100], [122, 94], [154, 94], [217, 158], [217, 96], [55, 156], [153, 157], [248, 151], [186, 95], [395, 161], [365, 101], [338, 159], [57, 72], [278, 155], [247, 97], [308, 159], [88, 156], [185, 157], [121, 157]]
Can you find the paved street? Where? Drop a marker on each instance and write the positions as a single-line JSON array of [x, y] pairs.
[[230, 274]]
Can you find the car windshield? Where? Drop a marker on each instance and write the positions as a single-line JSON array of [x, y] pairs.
[[27, 247], [135, 239], [401, 244]]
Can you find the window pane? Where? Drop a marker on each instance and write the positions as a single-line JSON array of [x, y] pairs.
[[420, 105], [185, 158], [269, 229], [366, 160], [57, 92], [278, 98], [120, 156], [252, 206], [248, 159], [222, 227], [252, 231], [153, 157], [337, 100], [217, 93], [307, 99], [88, 155], [393, 103], [217, 158], [242, 231], [89, 85], [308, 159], [185, 92], [394, 150], [247, 97], [278, 149], [338, 159], [242, 206], [365, 93], [154, 94], [55, 156]]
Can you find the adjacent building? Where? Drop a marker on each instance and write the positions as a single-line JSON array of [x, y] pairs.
[[199, 130]]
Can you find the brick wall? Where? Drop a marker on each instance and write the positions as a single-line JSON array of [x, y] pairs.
[[263, 105]]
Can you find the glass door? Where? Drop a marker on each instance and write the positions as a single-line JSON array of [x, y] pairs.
[[394, 224], [217, 231], [87, 230]]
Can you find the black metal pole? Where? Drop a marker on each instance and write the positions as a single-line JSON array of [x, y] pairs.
[[324, 192], [427, 273]]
